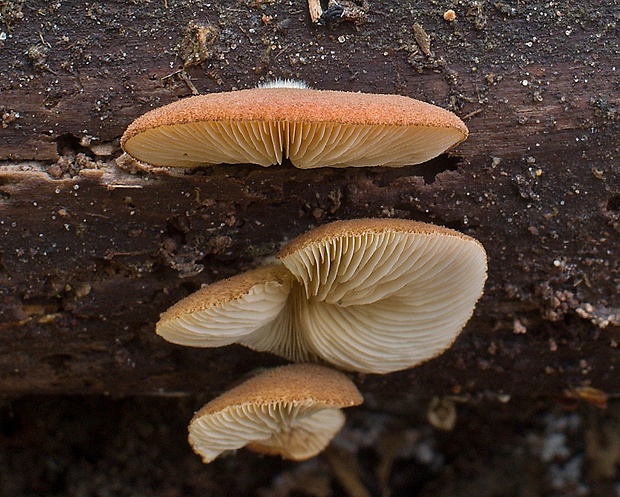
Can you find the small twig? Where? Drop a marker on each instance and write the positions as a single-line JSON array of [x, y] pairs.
[[43, 41], [119, 186], [472, 114], [281, 52], [185, 78], [168, 76], [183, 75], [316, 11]]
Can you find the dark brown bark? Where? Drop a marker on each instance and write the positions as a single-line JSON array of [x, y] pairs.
[[90, 254]]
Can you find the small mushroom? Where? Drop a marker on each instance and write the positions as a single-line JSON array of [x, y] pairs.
[[369, 295], [312, 128], [229, 310], [291, 411]]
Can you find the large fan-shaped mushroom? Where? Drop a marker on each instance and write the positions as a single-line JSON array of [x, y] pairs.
[[312, 128], [371, 295]]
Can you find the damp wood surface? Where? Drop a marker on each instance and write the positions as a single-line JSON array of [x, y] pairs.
[[91, 254]]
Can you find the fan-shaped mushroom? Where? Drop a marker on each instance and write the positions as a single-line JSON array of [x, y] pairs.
[[371, 295], [312, 128], [292, 411]]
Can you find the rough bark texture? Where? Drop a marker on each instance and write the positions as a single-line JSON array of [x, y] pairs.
[[91, 254]]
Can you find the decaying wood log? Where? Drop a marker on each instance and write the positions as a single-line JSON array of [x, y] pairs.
[[90, 253]]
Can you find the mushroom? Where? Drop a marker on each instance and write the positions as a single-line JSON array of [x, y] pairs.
[[229, 310], [312, 128], [292, 411], [368, 295]]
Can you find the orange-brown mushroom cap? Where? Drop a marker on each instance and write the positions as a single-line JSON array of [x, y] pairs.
[[292, 411], [313, 128]]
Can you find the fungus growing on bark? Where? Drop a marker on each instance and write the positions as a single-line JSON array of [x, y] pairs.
[[291, 411], [369, 295], [312, 128]]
